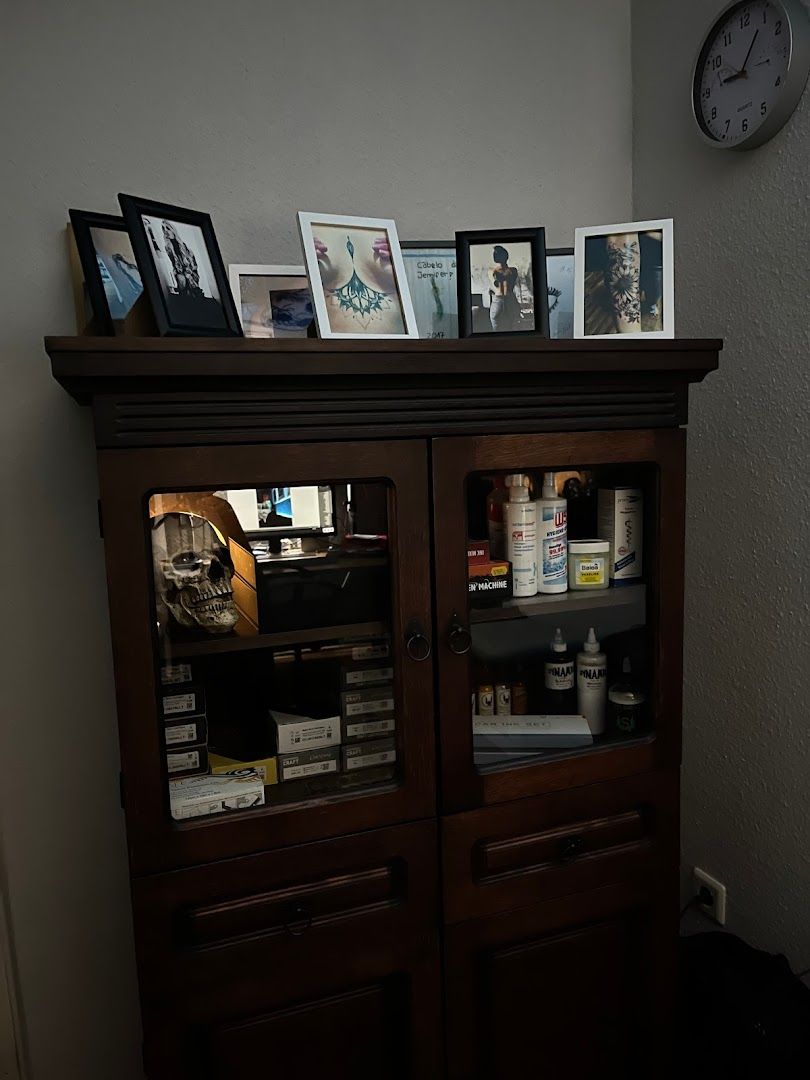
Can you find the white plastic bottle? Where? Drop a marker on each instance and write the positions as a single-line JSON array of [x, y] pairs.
[[520, 516], [552, 539], [592, 683]]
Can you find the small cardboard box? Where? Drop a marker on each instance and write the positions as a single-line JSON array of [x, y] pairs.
[[544, 732], [489, 583], [190, 761], [267, 768], [354, 675], [620, 521], [371, 703], [308, 763], [188, 731], [199, 796], [367, 754], [176, 674], [294, 733], [362, 728], [477, 552], [186, 700]]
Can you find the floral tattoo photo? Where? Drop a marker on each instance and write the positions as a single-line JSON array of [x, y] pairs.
[[623, 274]]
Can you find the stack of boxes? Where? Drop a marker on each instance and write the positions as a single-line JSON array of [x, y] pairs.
[[185, 725]]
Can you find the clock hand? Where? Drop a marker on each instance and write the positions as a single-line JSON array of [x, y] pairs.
[[742, 73]]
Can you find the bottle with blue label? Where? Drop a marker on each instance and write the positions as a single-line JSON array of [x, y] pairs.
[[552, 539]]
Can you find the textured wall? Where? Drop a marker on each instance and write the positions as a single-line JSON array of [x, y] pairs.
[[742, 272], [443, 115]]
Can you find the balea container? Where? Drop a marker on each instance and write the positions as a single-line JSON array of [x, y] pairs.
[[588, 564]]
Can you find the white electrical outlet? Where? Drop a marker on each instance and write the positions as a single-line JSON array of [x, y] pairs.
[[717, 909]]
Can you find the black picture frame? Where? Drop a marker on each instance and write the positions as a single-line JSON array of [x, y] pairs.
[[172, 314], [536, 237], [82, 222]]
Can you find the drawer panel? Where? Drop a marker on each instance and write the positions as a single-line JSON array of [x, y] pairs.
[[297, 909], [506, 856]]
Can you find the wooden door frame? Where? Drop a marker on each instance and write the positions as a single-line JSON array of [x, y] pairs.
[[127, 477], [453, 460]]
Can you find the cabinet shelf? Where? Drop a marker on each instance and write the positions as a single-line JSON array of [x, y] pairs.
[[240, 642], [561, 603]]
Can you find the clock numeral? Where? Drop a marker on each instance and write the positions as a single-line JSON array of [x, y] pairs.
[[717, 62], [714, 113], [763, 109], [745, 125], [728, 125], [707, 93], [745, 20], [778, 29], [726, 39], [778, 81], [765, 15]]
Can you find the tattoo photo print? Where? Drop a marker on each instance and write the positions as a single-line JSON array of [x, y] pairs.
[[624, 283], [358, 279]]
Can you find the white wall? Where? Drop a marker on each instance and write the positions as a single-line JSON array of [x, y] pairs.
[[742, 271], [442, 115]]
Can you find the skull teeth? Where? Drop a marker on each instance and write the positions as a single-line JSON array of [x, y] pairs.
[[222, 593]]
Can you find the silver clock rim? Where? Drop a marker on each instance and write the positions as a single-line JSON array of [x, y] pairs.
[[798, 70]]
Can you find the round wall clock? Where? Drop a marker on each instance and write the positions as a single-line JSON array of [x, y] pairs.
[[751, 72]]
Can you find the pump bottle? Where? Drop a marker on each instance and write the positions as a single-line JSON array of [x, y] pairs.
[[521, 535], [592, 683], [552, 539]]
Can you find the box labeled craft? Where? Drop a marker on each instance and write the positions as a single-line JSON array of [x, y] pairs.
[[362, 728], [182, 701], [530, 732], [267, 768], [175, 674], [295, 732], [620, 521], [371, 703], [199, 796], [187, 762], [367, 754], [489, 583], [186, 731], [308, 763], [365, 673]]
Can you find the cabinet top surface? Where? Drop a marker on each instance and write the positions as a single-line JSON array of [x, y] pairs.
[[84, 365]]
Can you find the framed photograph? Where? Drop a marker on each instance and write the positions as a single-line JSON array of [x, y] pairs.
[[500, 273], [182, 269], [625, 281], [357, 277], [560, 284], [430, 267], [272, 301], [111, 275]]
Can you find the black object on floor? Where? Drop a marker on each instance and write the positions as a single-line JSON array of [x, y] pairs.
[[742, 1011]]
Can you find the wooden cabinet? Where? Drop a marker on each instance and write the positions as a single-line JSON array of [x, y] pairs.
[[402, 903]]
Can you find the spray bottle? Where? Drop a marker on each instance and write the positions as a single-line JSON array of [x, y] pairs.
[[592, 683], [521, 535], [552, 539]]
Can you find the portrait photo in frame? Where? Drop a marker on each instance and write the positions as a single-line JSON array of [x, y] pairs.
[[624, 281], [501, 272], [272, 301], [112, 279], [182, 269], [430, 267], [560, 287], [356, 276]]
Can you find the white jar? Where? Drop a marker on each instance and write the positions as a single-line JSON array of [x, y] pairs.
[[588, 564]]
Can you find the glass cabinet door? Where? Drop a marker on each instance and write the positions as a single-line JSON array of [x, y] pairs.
[[271, 615], [559, 562]]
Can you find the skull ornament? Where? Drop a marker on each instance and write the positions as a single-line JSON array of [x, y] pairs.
[[193, 571]]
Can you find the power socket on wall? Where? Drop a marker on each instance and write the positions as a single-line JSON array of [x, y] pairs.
[[713, 893]]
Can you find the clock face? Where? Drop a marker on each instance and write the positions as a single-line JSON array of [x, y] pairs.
[[742, 71]]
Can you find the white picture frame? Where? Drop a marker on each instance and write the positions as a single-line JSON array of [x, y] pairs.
[[335, 317], [591, 317], [282, 273]]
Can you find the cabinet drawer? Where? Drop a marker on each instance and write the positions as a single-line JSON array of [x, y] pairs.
[[506, 856], [297, 910]]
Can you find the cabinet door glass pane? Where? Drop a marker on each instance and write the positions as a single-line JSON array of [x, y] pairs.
[[272, 627], [561, 656]]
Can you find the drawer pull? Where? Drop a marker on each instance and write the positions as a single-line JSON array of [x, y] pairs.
[[570, 848], [417, 643], [459, 638], [299, 922]]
